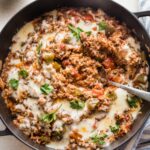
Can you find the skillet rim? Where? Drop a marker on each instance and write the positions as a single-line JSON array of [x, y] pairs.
[[147, 114]]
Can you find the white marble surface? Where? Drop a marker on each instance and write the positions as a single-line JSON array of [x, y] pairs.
[[7, 9]]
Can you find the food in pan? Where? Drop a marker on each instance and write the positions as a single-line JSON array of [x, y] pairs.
[[54, 79]]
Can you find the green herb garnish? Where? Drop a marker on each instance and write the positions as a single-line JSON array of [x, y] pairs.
[[23, 73], [75, 31], [99, 140], [48, 118], [46, 89], [111, 95], [14, 83], [115, 128], [88, 33], [102, 25], [132, 101], [77, 104], [38, 49]]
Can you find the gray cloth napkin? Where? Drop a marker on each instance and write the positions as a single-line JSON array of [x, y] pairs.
[[141, 141], [144, 142]]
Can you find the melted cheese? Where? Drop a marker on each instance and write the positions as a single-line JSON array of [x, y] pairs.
[[22, 36], [13, 74], [60, 36], [46, 39], [130, 47], [118, 107], [60, 144], [25, 123], [88, 27], [34, 89], [134, 44], [15, 61], [66, 109], [85, 127], [33, 106]]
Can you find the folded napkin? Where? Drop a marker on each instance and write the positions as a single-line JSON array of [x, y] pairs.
[[141, 141], [144, 142], [143, 6]]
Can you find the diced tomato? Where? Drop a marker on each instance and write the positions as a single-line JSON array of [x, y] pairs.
[[76, 74], [98, 92], [97, 86], [88, 17], [94, 28], [94, 126], [75, 135], [77, 18], [66, 62], [109, 63], [75, 15], [72, 13], [116, 79], [62, 46]]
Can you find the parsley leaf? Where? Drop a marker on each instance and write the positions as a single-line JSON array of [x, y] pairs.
[[111, 95], [38, 49], [99, 140], [77, 104], [102, 25], [115, 128], [132, 101], [23, 73], [46, 89], [14, 83], [75, 31], [88, 33], [48, 118]]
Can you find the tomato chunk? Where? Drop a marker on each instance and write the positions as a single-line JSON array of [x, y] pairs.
[[109, 63], [88, 17]]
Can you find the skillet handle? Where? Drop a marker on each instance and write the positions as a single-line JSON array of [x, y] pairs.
[[142, 14], [5, 132]]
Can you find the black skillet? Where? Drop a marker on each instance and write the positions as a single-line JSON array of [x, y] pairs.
[[35, 9]]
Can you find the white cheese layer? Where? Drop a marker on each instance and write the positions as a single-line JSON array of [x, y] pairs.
[[22, 36], [85, 127]]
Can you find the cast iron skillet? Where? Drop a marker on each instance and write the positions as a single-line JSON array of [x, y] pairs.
[[37, 8]]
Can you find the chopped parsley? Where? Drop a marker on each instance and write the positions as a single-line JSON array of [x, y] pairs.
[[132, 101], [111, 95], [14, 83], [77, 104], [48, 118], [38, 49], [46, 89], [99, 140], [75, 31], [23, 73], [88, 33], [115, 128], [102, 25]]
